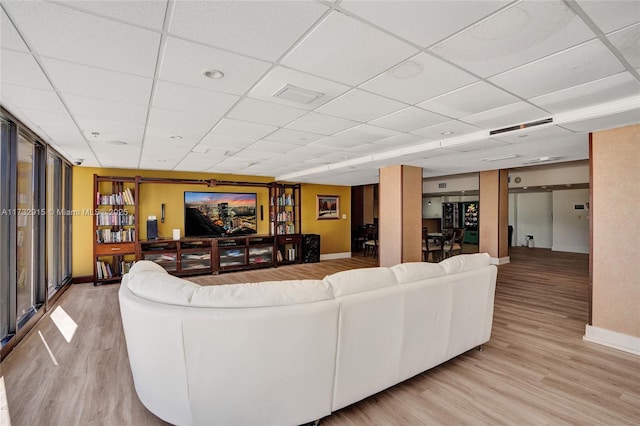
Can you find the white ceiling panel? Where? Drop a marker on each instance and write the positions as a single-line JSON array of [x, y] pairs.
[[350, 106], [400, 141], [524, 32], [365, 133], [146, 13], [421, 77], [110, 130], [271, 147], [228, 143], [607, 89], [191, 127], [321, 124], [608, 122], [446, 130], [279, 77], [256, 28], [28, 98], [348, 51], [86, 39], [627, 42], [125, 157], [295, 137], [590, 61], [242, 129], [474, 145], [517, 113], [162, 155], [610, 15], [537, 134], [98, 83], [22, 69], [56, 124], [471, 99], [409, 119], [194, 161], [183, 62], [422, 22], [106, 110], [262, 112], [184, 98], [9, 37], [337, 143]]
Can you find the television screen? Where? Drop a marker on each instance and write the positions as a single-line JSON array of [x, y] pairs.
[[214, 214]]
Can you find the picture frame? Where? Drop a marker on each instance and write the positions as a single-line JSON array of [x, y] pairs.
[[327, 207]]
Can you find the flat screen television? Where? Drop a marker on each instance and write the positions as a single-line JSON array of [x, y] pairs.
[[215, 214]]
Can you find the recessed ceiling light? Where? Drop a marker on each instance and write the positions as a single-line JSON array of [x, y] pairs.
[[211, 73], [117, 142], [447, 133]]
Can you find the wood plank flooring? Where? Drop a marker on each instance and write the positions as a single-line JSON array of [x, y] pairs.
[[535, 370]]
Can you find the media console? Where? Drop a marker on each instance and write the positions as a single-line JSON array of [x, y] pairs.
[[191, 256]]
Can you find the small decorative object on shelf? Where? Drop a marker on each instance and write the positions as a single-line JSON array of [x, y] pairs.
[[115, 214]]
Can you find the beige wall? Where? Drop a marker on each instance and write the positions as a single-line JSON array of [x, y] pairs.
[[615, 210]]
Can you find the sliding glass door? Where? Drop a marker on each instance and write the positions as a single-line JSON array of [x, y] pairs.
[[58, 223]]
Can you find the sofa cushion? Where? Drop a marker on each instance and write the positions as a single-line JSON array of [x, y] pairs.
[[359, 280], [415, 271], [159, 286], [144, 266], [465, 262], [268, 293]]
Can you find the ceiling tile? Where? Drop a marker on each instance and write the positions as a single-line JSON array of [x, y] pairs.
[[516, 113], [230, 144], [147, 13], [28, 98], [22, 69], [243, 129], [321, 124], [98, 83], [446, 130], [627, 42], [611, 15], [262, 112], [468, 100], [422, 22], [194, 161], [106, 110], [188, 99], [183, 62], [365, 133], [409, 119], [534, 135], [337, 143], [291, 136], [86, 39], [350, 105], [56, 124], [399, 141], [346, 50], [125, 157], [524, 32], [269, 147], [110, 130], [592, 93], [9, 37], [604, 123], [590, 61], [421, 77], [191, 127], [473, 145], [257, 28], [279, 77]]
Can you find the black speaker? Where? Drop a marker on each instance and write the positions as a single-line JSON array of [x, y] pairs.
[[152, 229], [310, 248]]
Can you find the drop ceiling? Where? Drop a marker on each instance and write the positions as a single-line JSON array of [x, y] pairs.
[[120, 83]]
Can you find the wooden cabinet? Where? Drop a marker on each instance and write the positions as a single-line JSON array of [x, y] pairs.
[[179, 257], [115, 214], [285, 217], [236, 253]]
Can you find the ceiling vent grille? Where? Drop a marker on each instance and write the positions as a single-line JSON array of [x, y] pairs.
[[442, 185], [521, 126], [297, 95]]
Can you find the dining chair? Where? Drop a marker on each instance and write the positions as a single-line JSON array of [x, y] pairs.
[[431, 247], [371, 243], [453, 242]]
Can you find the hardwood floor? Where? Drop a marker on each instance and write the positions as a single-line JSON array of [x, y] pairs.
[[536, 369]]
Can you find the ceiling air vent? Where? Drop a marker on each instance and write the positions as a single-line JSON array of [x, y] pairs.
[[298, 95], [442, 185], [521, 126]]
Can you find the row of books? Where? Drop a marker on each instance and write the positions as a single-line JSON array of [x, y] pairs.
[[109, 236], [107, 270], [283, 200], [124, 198], [115, 218], [285, 228], [287, 216], [289, 255]]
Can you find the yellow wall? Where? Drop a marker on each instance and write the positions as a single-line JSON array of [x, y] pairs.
[[615, 250], [152, 195], [335, 234]]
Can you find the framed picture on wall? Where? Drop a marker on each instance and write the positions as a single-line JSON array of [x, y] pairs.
[[327, 207]]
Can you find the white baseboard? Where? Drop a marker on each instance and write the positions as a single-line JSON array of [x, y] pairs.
[[612, 339], [570, 249], [500, 260], [331, 256]]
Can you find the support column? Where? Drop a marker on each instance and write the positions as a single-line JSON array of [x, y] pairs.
[[494, 215], [367, 204], [400, 215]]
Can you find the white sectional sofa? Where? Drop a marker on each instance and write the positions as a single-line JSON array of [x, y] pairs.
[[291, 352]]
